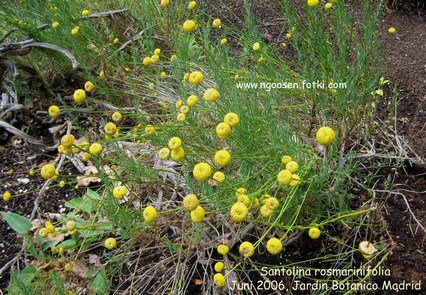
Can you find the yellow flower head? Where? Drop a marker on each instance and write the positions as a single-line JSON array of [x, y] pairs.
[[223, 130], [284, 177], [211, 95], [184, 109], [190, 202], [157, 51], [313, 3], [189, 26], [219, 266], [110, 128], [285, 159], [274, 246], [295, 180], [150, 214], [191, 5], [246, 249], [115, 41], [164, 153], [164, 3], [240, 191], [149, 130], [155, 58], [75, 31], [314, 233], [222, 249], [202, 171], [95, 148], [325, 135], [54, 111], [256, 46], [272, 203], [55, 25], [265, 211], [196, 77], [244, 199], [67, 140], [177, 154], [239, 211], [85, 12], [7, 196], [222, 158], [119, 192], [292, 166], [219, 280], [219, 177], [367, 249], [392, 30], [48, 171], [232, 119], [89, 87], [117, 117], [224, 41], [179, 104], [175, 143], [146, 61], [110, 243], [328, 5], [181, 117], [216, 23], [198, 214], [79, 96], [192, 100], [173, 58]]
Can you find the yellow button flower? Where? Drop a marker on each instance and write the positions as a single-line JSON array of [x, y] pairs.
[[150, 214], [149, 130], [67, 140], [265, 211], [181, 117], [313, 3], [75, 31], [246, 249], [240, 191], [272, 203], [155, 58], [392, 30], [314, 233], [285, 159], [224, 41], [79, 96], [295, 180], [192, 100], [117, 117], [223, 130], [222, 158], [54, 111], [367, 249], [164, 153], [274, 246], [191, 5], [328, 5], [157, 51], [89, 87], [119, 192], [219, 266], [284, 177], [202, 171], [222, 249], [219, 280], [292, 166], [196, 77], [239, 211], [189, 26], [110, 243], [190, 202], [325, 135], [48, 171], [7, 196], [146, 61], [175, 143], [115, 41], [177, 154], [110, 128], [219, 177], [211, 95], [244, 199], [164, 3], [256, 46], [55, 25], [198, 214], [85, 12], [232, 119], [216, 23], [95, 148]]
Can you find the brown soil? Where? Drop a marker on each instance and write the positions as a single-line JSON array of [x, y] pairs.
[[403, 54]]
